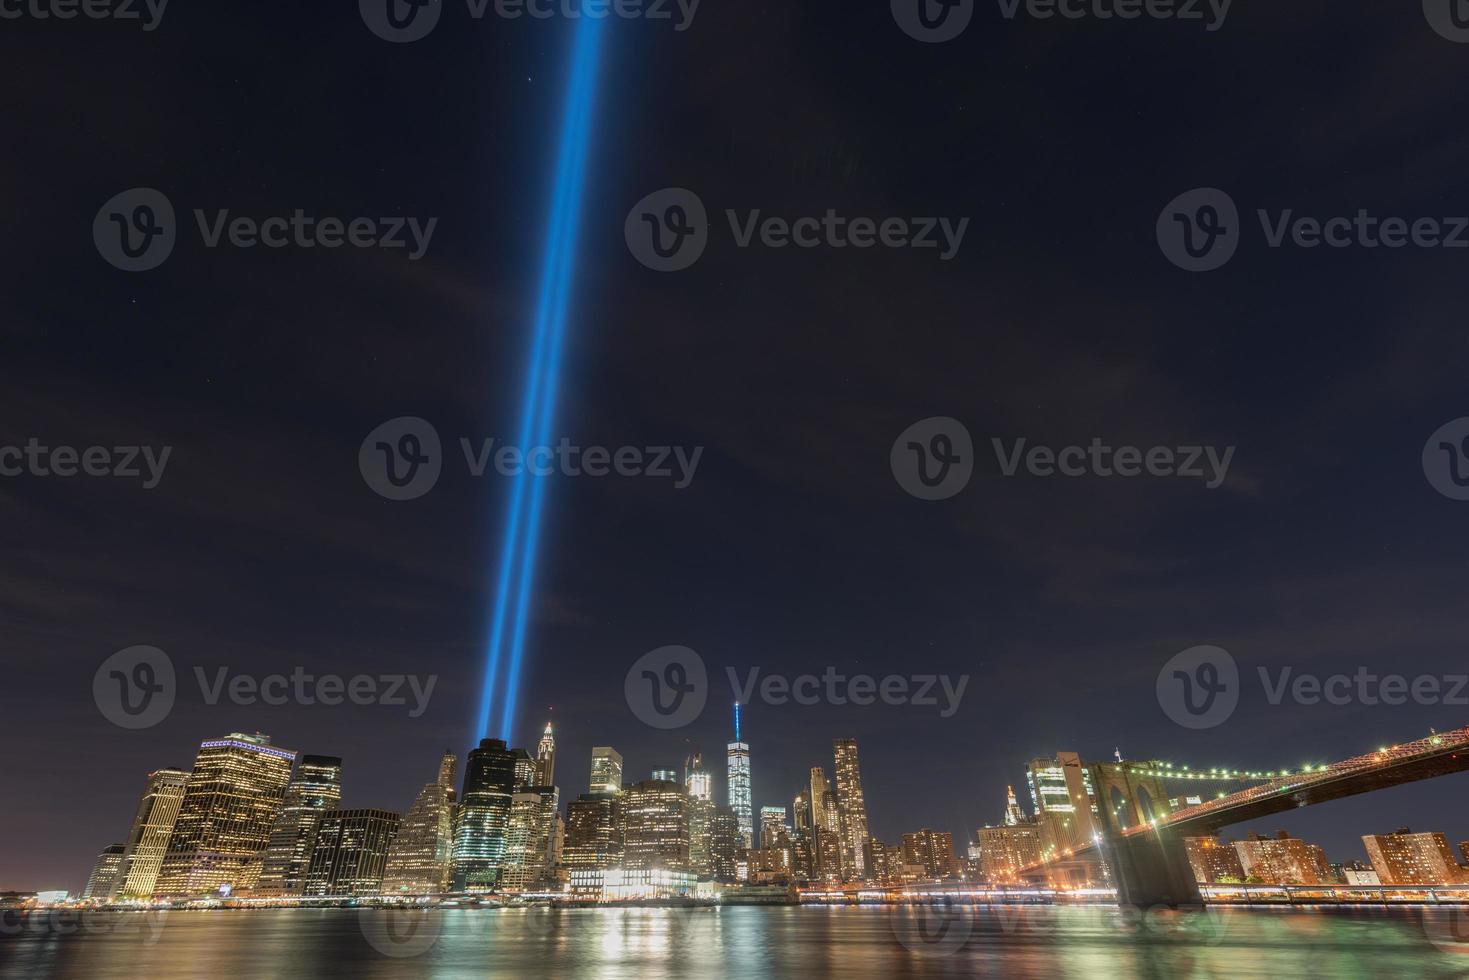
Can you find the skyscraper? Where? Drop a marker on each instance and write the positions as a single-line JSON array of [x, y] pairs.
[[1004, 851], [233, 796], [546, 758], [772, 825], [740, 798], [529, 839], [593, 832], [315, 789], [933, 851], [1065, 802], [105, 872], [421, 860], [853, 806], [606, 770], [484, 815], [1014, 816], [655, 819], [351, 853], [724, 844], [148, 841], [697, 781]]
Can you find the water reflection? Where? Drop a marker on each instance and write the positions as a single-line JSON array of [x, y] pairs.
[[746, 943]]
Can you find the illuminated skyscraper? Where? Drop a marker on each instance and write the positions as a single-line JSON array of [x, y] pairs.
[[529, 839], [105, 872], [772, 825], [697, 781], [725, 841], [818, 795], [655, 819], [315, 789], [484, 815], [593, 832], [234, 794], [546, 759], [933, 851], [351, 853], [606, 770], [740, 798], [148, 841], [1004, 851], [1065, 802], [1014, 816], [1406, 858], [421, 860], [852, 806]]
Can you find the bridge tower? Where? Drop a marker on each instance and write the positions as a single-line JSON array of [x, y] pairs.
[[1150, 868]]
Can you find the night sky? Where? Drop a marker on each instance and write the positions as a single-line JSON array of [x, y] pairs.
[[794, 549]]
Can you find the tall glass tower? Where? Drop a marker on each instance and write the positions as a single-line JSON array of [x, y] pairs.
[[484, 815], [739, 784], [316, 788]]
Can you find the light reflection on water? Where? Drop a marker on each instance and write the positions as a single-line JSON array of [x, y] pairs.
[[753, 943]]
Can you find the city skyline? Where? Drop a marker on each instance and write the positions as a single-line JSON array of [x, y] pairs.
[[317, 780]]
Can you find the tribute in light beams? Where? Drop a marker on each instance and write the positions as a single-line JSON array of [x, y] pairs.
[[527, 496]]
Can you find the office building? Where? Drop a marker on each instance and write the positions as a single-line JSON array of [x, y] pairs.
[[1065, 803], [593, 831], [233, 796], [315, 789], [655, 821], [421, 859], [148, 841], [772, 825], [852, 807], [350, 855], [1004, 851], [606, 770], [545, 774], [697, 780], [725, 844], [933, 851], [530, 840], [105, 873], [740, 795], [1406, 858], [484, 815]]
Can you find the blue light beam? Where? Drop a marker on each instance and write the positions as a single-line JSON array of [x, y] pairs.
[[523, 520]]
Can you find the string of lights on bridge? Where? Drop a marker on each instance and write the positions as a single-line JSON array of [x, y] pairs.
[[1167, 770]]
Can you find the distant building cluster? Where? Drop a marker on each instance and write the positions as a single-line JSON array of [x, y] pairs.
[[254, 820]]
